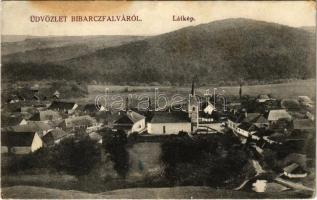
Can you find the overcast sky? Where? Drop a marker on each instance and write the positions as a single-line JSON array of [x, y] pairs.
[[156, 16]]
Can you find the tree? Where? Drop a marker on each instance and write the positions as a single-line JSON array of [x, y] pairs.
[[115, 144], [76, 156]]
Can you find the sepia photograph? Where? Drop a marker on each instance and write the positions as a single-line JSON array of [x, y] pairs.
[[158, 99]]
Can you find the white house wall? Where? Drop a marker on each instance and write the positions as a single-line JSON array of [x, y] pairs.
[[37, 143], [138, 126], [243, 132], [4, 149], [232, 125], [20, 150], [170, 128]]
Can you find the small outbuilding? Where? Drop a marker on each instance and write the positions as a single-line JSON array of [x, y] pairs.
[[130, 122], [294, 171]]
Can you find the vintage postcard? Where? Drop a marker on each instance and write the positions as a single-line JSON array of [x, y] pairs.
[[158, 100]]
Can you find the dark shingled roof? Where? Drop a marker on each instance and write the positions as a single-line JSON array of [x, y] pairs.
[[90, 108], [238, 118], [107, 116], [44, 115], [62, 105], [31, 126], [130, 117], [53, 135], [21, 139], [170, 117], [255, 118], [247, 126], [124, 120]]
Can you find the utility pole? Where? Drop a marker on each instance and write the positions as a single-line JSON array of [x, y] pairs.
[[215, 97], [240, 91]]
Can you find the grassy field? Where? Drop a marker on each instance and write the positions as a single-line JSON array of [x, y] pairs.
[[186, 192], [282, 90]]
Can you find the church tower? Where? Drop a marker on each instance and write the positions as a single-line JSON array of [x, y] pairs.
[[193, 106]]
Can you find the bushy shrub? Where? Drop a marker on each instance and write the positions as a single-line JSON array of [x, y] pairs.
[[39, 159], [75, 156], [204, 160], [182, 133]]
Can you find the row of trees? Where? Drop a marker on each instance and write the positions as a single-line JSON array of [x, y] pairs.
[[76, 156]]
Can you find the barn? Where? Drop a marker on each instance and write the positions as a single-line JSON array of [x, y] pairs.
[[20, 142], [169, 123]]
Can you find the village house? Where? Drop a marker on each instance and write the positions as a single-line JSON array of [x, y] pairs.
[[245, 129], [303, 124], [23, 122], [234, 107], [106, 117], [39, 127], [130, 122], [305, 101], [263, 98], [56, 94], [54, 136], [256, 119], [66, 107], [276, 115], [294, 170], [20, 142], [15, 99], [290, 104], [46, 115], [78, 123], [169, 123], [95, 137], [29, 109], [11, 120], [92, 109], [234, 120], [209, 109], [209, 113], [202, 113], [310, 116]]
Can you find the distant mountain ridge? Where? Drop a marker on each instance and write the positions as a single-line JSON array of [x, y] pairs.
[[311, 29], [31, 44], [224, 50]]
